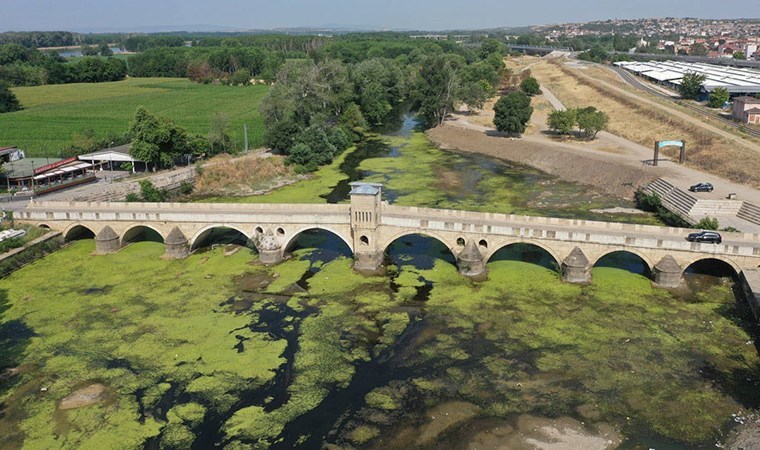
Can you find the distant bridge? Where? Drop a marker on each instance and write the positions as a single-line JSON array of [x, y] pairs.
[[368, 226], [538, 49]]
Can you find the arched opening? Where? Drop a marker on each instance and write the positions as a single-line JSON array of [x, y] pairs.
[[78, 232], [141, 233], [460, 242], [221, 236], [625, 260], [318, 245], [44, 226], [483, 243], [259, 230], [280, 231], [526, 252], [364, 240], [706, 273], [418, 250], [711, 267]]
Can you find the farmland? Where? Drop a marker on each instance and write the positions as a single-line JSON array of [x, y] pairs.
[[54, 114]]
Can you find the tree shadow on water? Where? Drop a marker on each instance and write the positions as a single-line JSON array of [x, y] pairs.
[[14, 338], [741, 383]]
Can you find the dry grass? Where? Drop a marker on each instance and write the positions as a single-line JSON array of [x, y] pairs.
[[224, 175], [645, 124]]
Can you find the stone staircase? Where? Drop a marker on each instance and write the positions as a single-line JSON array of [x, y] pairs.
[[742, 215], [673, 198], [750, 213]]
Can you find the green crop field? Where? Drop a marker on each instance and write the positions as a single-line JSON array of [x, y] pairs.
[[53, 114]]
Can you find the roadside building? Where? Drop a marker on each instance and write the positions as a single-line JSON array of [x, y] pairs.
[[8, 154], [114, 158], [746, 109], [42, 175]]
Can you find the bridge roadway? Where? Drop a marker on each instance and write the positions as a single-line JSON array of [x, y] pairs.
[[368, 226]]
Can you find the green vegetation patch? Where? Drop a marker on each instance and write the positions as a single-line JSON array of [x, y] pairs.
[[54, 113]]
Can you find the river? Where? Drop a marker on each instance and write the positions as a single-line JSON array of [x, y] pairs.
[[218, 350]]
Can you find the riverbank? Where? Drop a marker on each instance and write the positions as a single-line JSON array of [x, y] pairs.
[[601, 171]]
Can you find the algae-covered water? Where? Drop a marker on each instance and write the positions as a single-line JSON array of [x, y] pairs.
[[218, 350]]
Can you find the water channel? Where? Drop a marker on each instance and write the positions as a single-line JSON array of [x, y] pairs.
[[219, 351]]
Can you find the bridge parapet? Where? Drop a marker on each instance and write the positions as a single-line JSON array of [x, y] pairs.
[[368, 226]]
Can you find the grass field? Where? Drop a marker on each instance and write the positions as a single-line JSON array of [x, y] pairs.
[[53, 114]]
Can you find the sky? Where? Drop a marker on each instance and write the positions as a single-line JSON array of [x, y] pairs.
[[125, 15]]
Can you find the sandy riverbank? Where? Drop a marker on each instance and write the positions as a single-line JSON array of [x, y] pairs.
[[602, 171]]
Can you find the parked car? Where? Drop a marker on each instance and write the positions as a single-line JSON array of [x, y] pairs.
[[705, 236], [701, 187]]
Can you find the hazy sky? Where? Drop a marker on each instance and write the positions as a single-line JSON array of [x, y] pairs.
[[100, 15]]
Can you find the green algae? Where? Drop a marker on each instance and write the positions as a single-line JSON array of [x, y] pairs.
[[159, 321]]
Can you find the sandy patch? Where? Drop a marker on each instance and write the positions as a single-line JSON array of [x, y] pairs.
[[534, 433], [84, 397]]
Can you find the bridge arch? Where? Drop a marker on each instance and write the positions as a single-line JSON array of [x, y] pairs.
[[293, 237], [78, 231], [43, 225], [134, 231], [648, 264], [451, 246], [726, 262], [204, 232], [503, 245]]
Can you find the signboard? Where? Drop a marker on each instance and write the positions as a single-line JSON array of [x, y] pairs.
[[662, 144], [52, 166]]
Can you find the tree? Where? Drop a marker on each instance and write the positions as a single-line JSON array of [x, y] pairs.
[[591, 121], [697, 49], [88, 50], [156, 140], [530, 86], [241, 77], [512, 112], [352, 121], [475, 94], [150, 193], [740, 55], [708, 223], [562, 122], [437, 87], [8, 100], [219, 134], [691, 85], [105, 50], [718, 97]]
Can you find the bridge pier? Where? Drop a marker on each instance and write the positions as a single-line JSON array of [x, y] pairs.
[[270, 249], [470, 260], [576, 267], [368, 262], [106, 241], [176, 245], [667, 273]]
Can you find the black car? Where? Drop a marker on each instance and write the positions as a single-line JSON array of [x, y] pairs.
[[701, 187], [705, 236]]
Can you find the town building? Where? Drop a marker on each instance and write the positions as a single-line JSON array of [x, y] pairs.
[[746, 109]]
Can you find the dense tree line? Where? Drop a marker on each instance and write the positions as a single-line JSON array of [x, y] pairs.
[[20, 66], [319, 104], [36, 39], [142, 43]]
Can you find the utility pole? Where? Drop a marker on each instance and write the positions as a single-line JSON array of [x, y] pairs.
[[245, 132]]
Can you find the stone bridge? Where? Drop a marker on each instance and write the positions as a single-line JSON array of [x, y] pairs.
[[368, 226]]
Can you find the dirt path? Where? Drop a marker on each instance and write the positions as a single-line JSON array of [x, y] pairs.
[[611, 163], [673, 111]]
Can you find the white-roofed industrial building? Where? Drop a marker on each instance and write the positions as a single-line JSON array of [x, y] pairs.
[[738, 81]]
